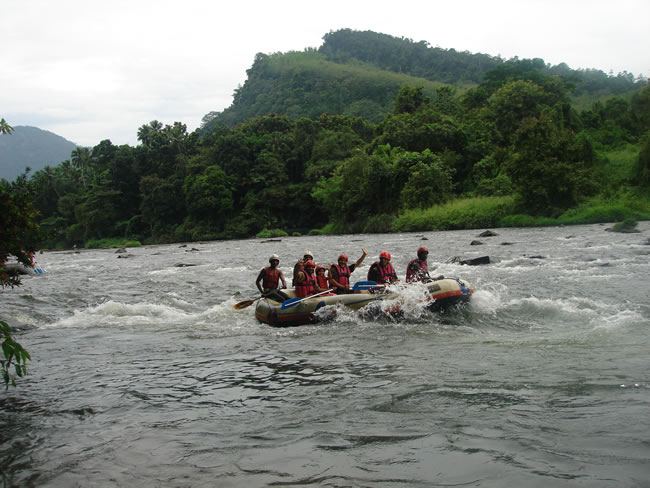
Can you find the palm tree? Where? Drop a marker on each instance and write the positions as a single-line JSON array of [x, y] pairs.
[[147, 132], [80, 159]]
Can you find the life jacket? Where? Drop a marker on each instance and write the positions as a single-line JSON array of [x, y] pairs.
[[307, 287], [386, 275], [344, 274], [416, 274], [322, 281], [270, 278]]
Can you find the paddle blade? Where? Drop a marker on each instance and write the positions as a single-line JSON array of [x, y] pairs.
[[244, 304], [364, 285], [290, 303]]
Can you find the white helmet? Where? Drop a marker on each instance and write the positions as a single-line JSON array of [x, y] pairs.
[[274, 257]]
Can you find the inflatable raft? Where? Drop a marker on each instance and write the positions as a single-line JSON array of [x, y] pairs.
[[20, 268], [438, 294]]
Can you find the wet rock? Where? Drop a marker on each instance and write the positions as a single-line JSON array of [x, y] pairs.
[[120, 250], [476, 261], [469, 262], [476, 243], [487, 233]]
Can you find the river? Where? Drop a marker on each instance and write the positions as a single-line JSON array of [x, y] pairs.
[[143, 373]]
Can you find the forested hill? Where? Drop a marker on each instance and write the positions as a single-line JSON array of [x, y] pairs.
[[31, 147], [359, 74]]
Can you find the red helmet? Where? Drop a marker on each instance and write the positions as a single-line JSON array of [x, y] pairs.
[[385, 254], [423, 249], [319, 267], [310, 263], [343, 256]]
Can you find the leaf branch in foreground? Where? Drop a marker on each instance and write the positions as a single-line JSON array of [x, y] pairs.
[[14, 354]]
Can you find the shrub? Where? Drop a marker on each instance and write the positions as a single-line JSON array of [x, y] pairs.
[[267, 233]]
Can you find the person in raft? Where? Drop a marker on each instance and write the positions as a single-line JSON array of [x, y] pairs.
[[269, 279], [340, 273], [418, 269], [300, 265], [321, 279], [306, 284], [382, 272]]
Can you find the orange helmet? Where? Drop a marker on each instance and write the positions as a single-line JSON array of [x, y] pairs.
[[385, 254], [310, 263]]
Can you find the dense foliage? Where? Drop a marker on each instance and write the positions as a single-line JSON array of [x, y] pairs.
[[515, 136]]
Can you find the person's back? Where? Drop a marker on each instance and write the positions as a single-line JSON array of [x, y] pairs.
[[418, 269]]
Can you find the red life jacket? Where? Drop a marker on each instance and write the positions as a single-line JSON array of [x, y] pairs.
[[322, 281], [416, 274], [387, 274], [344, 274], [270, 278], [307, 287]]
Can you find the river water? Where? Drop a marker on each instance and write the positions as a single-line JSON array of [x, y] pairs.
[[143, 373]]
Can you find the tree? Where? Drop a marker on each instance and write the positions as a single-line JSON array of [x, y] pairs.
[[428, 181], [5, 128], [81, 160], [19, 235], [642, 167], [409, 99], [208, 196], [546, 166]]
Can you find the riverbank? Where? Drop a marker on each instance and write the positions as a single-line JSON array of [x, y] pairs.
[[459, 214], [496, 212]]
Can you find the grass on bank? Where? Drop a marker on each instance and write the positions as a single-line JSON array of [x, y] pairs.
[[113, 242], [485, 212], [463, 213]]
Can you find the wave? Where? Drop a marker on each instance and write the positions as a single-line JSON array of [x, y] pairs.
[[177, 314]]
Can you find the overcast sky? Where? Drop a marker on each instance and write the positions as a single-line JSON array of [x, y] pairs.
[[91, 70]]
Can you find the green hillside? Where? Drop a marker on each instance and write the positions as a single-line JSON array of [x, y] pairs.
[[31, 147], [307, 84], [359, 74]]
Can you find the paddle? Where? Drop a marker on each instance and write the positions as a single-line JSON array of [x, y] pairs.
[[295, 301], [244, 304], [365, 285]]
